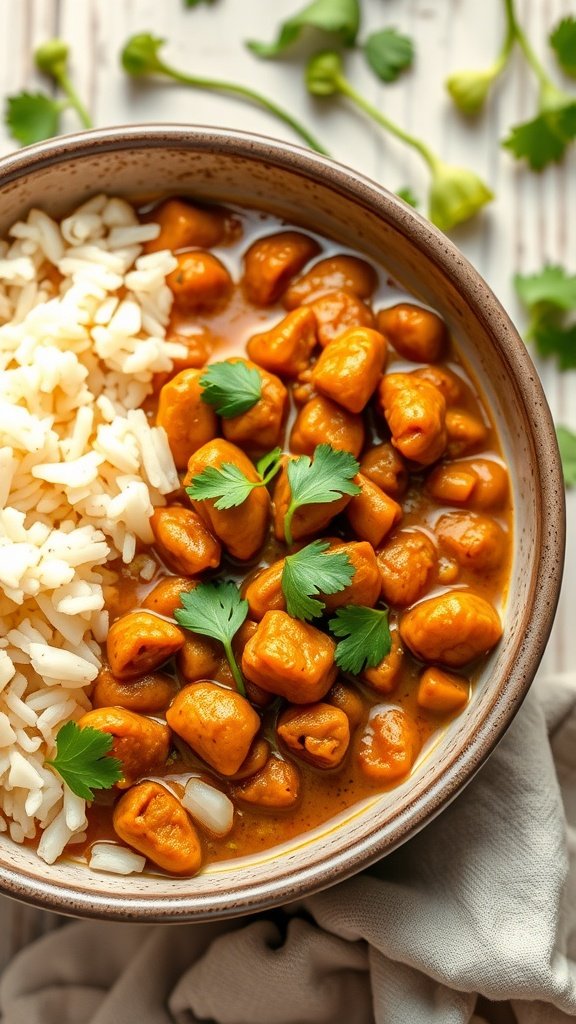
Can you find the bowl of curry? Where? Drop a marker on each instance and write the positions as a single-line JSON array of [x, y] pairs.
[[337, 605]]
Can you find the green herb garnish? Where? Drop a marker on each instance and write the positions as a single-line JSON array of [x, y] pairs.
[[366, 636], [140, 58], [550, 297], [324, 478], [231, 388], [314, 570], [544, 139], [388, 53], [82, 760], [337, 17], [456, 193], [31, 117], [215, 610], [228, 484], [563, 42]]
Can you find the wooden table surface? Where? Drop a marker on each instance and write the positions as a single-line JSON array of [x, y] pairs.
[[531, 221]]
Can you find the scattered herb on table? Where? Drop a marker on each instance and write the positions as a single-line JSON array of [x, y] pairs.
[[408, 196], [550, 297], [567, 446], [325, 478], [337, 17], [388, 53], [544, 138], [469, 88], [31, 117], [140, 58], [231, 388], [215, 610], [194, 3], [366, 637], [455, 194], [311, 571], [83, 760], [563, 42], [229, 485]]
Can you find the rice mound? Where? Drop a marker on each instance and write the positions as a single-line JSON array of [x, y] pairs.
[[83, 318]]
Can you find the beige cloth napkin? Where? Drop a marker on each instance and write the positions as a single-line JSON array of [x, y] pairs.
[[483, 900]]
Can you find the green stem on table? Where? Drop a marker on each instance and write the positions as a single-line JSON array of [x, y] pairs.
[[550, 95], [74, 100], [344, 86], [249, 94]]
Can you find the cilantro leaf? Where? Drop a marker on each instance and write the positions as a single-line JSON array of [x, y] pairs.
[[82, 760], [310, 571], [388, 53], [544, 140], [550, 297], [229, 485], [215, 610], [231, 388], [553, 339], [341, 17], [31, 117], [552, 286], [194, 3], [366, 635], [408, 196], [563, 42], [324, 478], [567, 445]]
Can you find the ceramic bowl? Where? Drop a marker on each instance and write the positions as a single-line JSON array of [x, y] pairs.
[[336, 201]]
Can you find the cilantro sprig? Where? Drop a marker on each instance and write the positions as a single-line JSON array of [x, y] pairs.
[[311, 571], [455, 193], [365, 637], [215, 610], [388, 53], [324, 478], [231, 388], [567, 446], [83, 760], [229, 485], [140, 58], [31, 117], [563, 42], [334, 17], [550, 297]]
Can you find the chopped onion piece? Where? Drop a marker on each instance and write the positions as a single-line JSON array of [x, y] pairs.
[[209, 807], [117, 859]]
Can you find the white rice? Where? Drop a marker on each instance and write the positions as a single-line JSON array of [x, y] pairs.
[[81, 472]]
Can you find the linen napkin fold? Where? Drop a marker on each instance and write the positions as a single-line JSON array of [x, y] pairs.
[[483, 900]]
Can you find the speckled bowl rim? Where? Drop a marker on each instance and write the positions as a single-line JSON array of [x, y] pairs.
[[524, 656]]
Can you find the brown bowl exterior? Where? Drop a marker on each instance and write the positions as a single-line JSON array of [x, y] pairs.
[[315, 192]]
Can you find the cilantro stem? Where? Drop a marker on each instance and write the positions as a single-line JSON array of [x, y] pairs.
[[245, 92], [236, 673], [140, 58], [288, 524], [74, 100], [550, 95], [344, 86]]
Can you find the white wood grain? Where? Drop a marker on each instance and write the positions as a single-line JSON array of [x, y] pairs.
[[532, 219]]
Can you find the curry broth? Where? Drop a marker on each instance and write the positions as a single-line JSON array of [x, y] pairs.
[[324, 793]]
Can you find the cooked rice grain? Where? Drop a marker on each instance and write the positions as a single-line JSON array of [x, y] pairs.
[[81, 472]]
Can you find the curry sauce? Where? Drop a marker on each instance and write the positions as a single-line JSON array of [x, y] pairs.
[[344, 360]]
